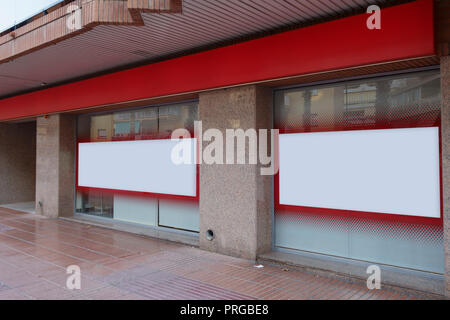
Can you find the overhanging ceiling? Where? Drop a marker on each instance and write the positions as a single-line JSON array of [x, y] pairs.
[[202, 23]]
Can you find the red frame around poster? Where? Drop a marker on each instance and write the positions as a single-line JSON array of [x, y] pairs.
[[290, 209], [138, 193]]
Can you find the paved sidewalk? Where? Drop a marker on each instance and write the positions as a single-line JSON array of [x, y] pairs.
[[35, 252]]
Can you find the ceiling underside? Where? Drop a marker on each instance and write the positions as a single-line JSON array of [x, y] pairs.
[[202, 23]]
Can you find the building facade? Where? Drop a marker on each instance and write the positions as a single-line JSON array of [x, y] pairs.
[[92, 90]]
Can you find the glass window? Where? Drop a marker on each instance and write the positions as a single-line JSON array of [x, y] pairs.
[[95, 203], [101, 128], [174, 117], [309, 109], [146, 125], [400, 101], [386, 102], [140, 124]]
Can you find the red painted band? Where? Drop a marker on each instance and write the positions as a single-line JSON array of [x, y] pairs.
[[407, 31]]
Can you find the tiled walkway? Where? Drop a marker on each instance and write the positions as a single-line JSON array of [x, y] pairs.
[[35, 252]]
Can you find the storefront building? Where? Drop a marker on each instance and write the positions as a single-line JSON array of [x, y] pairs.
[[363, 116]]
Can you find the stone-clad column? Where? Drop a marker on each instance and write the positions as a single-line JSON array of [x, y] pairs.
[[17, 162], [445, 89], [235, 199], [55, 169]]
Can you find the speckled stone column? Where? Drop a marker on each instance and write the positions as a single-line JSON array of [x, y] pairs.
[[445, 89], [235, 199], [55, 170]]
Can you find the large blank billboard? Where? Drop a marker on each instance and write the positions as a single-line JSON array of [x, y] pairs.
[[393, 171], [141, 166]]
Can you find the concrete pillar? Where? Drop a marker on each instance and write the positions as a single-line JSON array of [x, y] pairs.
[[55, 165], [445, 122], [17, 162], [236, 201]]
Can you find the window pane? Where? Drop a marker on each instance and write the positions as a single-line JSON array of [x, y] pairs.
[[146, 123], [175, 117], [142, 210], [140, 124], [311, 109], [101, 128], [393, 102], [388, 102], [95, 203], [123, 123]]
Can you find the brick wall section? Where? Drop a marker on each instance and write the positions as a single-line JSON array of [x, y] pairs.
[[17, 162], [52, 28], [445, 85]]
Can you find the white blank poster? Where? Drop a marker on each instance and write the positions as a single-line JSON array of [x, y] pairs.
[[142, 166], [394, 171]]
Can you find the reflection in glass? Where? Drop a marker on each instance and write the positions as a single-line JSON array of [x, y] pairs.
[[385, 102], [94, 203]]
